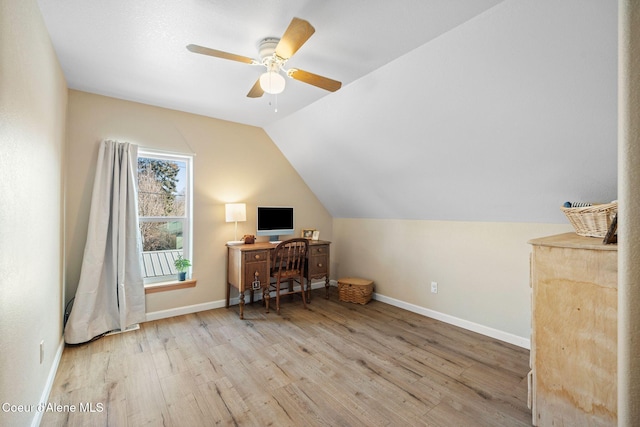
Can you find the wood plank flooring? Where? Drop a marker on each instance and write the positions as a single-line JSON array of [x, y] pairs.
[[335, 364]]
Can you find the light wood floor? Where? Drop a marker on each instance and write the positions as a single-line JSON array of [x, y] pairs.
[[336, 364]]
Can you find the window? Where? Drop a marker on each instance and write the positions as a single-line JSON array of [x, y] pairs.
[[164, 211]]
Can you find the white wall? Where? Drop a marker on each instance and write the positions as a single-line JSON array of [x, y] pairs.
[[33, 96], [503, 119], [467, 146], [482, 268]]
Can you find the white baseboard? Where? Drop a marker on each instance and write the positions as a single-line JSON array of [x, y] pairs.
[[131, 328], [49, 384], [179, 311], [464, 324]]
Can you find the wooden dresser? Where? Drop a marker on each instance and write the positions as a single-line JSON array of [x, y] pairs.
[[574, 284], [248, 267]]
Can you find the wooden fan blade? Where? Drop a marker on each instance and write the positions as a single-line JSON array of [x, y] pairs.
[[315, 80], [256, 91], [219, 54], [295, 36]]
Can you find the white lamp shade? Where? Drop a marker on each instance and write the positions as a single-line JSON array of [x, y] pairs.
[[235, 212], [272, 82]]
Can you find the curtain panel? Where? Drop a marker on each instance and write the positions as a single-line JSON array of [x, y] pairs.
[[110, 294]]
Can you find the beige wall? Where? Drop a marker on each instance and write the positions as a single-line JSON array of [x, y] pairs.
[[629, 227], [33, 96], [233, 163], [482, 268]]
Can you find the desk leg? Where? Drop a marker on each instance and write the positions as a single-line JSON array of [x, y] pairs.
[[326, 285], [265, 297], [241, 302]]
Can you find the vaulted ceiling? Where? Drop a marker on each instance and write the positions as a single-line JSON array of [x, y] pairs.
[[472, 110]]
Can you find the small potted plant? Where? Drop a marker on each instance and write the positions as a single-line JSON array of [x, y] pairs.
[[182, 264]]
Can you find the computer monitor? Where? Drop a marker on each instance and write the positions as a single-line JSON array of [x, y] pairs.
[[274, 221]]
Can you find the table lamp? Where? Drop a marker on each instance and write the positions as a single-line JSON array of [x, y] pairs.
[[235, 212]]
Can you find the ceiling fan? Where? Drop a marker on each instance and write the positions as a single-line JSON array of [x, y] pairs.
[[274, 54]]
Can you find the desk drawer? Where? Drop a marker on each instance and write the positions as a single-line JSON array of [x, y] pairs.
[[255, 271], [318, 250], [253, 256], [318, 265]]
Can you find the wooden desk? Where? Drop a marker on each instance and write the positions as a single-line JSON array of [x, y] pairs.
[[574, 281], [248, 267]]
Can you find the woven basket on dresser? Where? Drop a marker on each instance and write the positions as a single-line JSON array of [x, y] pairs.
[[592, 221], [354, 289]]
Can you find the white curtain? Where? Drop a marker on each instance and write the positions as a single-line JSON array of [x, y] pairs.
[[110, 294]]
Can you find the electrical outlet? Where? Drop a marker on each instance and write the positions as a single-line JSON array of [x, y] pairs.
[[41, 351], [434, 287]]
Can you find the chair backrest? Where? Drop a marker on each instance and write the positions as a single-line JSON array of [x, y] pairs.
[[289, 258]]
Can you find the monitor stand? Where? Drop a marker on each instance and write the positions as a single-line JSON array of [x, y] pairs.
[[274, 239]]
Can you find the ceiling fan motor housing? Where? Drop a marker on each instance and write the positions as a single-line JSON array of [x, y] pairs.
[[267, 48]]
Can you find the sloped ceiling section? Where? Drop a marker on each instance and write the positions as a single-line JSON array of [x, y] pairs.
[[500, 119], [136, 50]]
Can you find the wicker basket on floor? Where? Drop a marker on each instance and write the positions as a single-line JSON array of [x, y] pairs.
[[592, 221], [354, 289]]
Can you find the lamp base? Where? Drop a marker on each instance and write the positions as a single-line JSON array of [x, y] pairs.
[[235, 242]]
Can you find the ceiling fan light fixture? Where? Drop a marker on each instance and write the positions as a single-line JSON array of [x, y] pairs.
[[272, 82], [274, 54]]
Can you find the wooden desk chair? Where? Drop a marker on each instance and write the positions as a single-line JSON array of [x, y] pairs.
[[287, 265]]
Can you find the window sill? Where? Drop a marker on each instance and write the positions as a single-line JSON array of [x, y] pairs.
[[169, 286]]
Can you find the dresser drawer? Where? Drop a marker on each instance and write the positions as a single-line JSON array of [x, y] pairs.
[[255, 256]]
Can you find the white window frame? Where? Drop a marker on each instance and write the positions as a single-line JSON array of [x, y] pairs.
[[187, 220]]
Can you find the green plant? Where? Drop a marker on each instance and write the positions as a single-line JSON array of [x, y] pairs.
[[182, 264]]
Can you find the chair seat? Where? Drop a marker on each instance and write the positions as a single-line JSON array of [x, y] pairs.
[[289, 274]]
